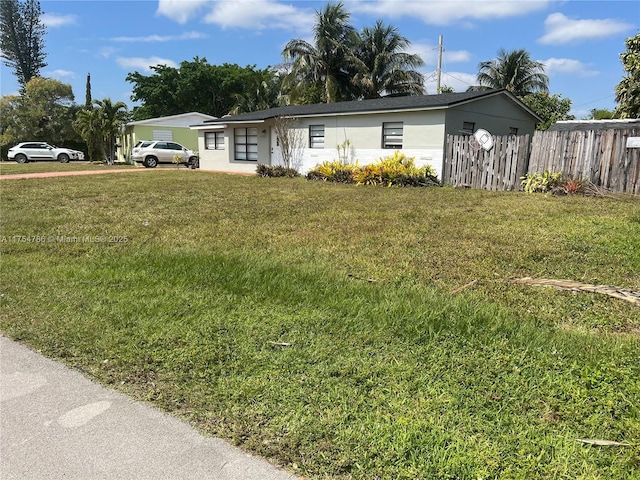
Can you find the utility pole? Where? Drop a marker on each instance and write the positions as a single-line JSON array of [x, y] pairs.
[[439, 64]]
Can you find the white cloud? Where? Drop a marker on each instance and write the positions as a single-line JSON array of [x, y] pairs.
[[180, 11], [568, 66], [144, 64], [61, 74], [106, 52], [162, 38], [447, 12], [260, 15], [561, 29], [53, 20]]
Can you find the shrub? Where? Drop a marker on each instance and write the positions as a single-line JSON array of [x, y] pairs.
[[397, 169], [276, 171], [540, 182], [335, 171], [573, 186]]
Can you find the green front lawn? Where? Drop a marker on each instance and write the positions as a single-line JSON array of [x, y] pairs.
[[315, 324], [9, 168]]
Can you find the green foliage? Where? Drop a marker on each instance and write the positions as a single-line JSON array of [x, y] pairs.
[[99, 127], [276, 171], [540, 182], [343, 64], [45, 112], [254, 320], [513, 70], [395, 170], [382, 65], [628, 90], [197, 86], [22, 38], [550, 108], [335, 171], [601, 114]]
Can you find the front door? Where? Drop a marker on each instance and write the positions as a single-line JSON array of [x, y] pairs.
[[276, 151]]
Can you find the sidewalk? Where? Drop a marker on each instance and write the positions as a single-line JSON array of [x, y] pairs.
[[54, 423]]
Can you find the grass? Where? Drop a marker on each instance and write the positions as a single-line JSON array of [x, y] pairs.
[[8, 168], [313, 323]]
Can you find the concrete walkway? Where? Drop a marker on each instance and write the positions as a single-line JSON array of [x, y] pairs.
[[55, 423]]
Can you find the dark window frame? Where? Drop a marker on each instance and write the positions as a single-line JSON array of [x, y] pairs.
[[314, 133], [469, 127], [218, 141], [246, 133], [388, 135]]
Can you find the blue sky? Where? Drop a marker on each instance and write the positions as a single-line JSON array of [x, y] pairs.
[[578, 41]]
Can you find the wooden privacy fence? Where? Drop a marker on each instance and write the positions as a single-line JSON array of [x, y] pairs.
[[599, 156], [467, 165]]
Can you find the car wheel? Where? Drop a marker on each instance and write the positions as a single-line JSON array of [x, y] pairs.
[[21, 158], [150, 162], [63, 158]]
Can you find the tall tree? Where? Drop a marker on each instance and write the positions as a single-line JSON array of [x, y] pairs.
[[195, 86], [262, 93], [550, 108], [114, 116], [628, 90], [514, 71], [327, 60], [44, 111], [99, 127], [88, 124], [383, 66], [88, 101], [22, 38]]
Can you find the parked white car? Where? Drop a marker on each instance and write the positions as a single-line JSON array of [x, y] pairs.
[[31, 151], [152, 152]]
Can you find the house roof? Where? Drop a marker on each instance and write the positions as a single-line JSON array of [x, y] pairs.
[[614, 124], [386, 104], [179, 120]]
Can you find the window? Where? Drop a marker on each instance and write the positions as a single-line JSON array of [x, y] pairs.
[[468, 127], [316, 136], [392, 135], [513, 130], [166, 135], [174, 146], [246, 144], [214, 140]]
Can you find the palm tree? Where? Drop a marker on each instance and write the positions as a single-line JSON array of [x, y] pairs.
[[99, 126], [383, 66], [113, 116], [326, 62], [514, 71], [88, 124]]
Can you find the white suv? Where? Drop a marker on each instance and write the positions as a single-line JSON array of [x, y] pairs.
[[30, 151], [152, 152]]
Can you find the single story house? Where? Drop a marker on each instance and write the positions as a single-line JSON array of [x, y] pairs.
[[172, 128], [372, 129]]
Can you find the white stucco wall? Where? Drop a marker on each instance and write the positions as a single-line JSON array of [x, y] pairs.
[[423, 139]]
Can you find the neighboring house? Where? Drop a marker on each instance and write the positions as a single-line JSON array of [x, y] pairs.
[[415, 125], [173, 128], [595, 125]]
